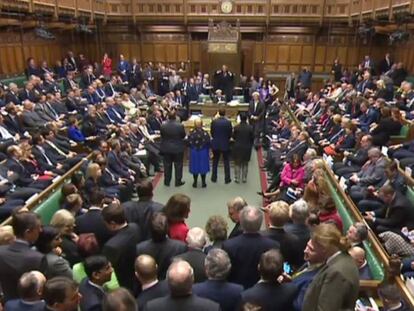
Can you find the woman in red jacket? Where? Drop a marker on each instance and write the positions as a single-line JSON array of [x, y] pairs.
[[177, 210], [328, 212], [107, 66]]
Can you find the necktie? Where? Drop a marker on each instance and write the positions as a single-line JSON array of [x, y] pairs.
[[42, 151], [112, 121], [109, 172], [52, 110]]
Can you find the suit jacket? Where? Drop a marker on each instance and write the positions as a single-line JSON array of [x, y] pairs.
[[140, 213], [120, 251], [92, 222], [163, 252], [115, 165], [299, 149], [386, 127], [12, 98], [195, 257], [185, 303], [24, 179], [92, 296], [258, 112], [221, 131], [16, 259], [22, 305], [244, 252], [271, 296], [395, 215], [372, 173], [226, 294], [156, 291], [301, 231], [335, 287], [237, 230], [172, 137], [290, 245], [359, 158], [32, 120], [53, 265], [13, 124], [243, 136]]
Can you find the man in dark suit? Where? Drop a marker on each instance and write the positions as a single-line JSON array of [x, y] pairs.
[[216, 288], [172, 149], [224, 80], [395, 214], [98, 270], [385, 64], [221, 131], [12, 96], [269, 293], [245, 250], [358, 254], [146, 273], [92, 221], [61, 293], [257, 110], [141, 211], [120, 249], [161, 247], [196, 240], [18, 257], [290, 246], [31, 120], [180, 282], [30, 287], [115, 163], [234, 207]]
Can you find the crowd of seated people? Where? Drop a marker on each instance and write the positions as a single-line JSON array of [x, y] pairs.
[[127, 254]]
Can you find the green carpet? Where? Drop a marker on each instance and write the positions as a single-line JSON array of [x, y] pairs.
[[212, 200]]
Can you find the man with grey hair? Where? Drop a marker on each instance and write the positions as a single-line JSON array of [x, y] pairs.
[[245, 250], [357, 233], [180, 280], [234, 207], [299, 213], [217, 265], [371, 174], [196, 240], [30, 288], [12, 96]]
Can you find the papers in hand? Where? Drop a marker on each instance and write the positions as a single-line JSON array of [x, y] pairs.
[[384, 151], [141, 152], [328, 159], [342, 183]]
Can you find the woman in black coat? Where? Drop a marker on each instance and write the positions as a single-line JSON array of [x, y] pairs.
[[390, 124], [243, 136]]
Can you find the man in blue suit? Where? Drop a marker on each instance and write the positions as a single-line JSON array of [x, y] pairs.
[[221, 131], [227, 295], [123, 68]]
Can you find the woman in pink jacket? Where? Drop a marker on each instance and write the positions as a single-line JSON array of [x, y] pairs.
[[291, 181]]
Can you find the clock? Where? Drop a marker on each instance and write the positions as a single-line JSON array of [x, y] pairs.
[[226, 6]]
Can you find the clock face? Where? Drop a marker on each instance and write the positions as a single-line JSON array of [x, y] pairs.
[[226, 7]]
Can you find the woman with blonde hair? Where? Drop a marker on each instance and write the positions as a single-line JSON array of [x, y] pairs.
[[336, 286], [199, 141], [64, 221]]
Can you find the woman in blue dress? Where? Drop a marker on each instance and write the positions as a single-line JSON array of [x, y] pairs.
[[199, 141]]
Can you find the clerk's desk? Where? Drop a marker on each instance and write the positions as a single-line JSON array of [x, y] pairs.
[[210, 109], [189, 124]]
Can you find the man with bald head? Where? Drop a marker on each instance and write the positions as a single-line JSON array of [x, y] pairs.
[[180, 280], [358, 254], [146, 270], [30, 288]]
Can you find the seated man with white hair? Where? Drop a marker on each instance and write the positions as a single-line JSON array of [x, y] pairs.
[[180, 278], [217, 265], [30, 288], [196, 240]]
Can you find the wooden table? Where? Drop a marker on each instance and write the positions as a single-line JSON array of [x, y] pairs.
[[210, 109], [189, 124]]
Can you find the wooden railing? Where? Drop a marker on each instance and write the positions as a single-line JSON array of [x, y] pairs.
[[42, 196]]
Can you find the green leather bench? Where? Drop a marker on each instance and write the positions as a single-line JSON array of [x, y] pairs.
[[48, 207], [375, 265], [403, 136], [19, 80]]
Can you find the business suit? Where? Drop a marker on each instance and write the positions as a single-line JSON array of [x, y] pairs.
[[31, 120], [141, 213], [195, 257], [221, 131], [172, 149], [163, 252], [245, 251], [115, 165], [16, 259], [236, 231], [226, 294], [92, 222], [290, 245], [335, 287], [120, 251], [256, 114], [386, 127], [24, 178], [271, 296], [12, 97], [53, 265], [92, 296], [353, 163], [243, 136], [13, 124], [395, 215], [160, 289], [182, 303], [22, 305]]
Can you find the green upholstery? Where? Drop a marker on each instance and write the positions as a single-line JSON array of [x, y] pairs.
[[47, 208], [19, 80], [410, 195], [79, 274], [404, 132], [375, 265]]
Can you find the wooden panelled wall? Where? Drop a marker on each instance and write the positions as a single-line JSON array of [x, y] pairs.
[[277, 53]]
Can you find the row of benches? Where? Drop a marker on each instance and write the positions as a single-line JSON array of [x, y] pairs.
[[377, 258]]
